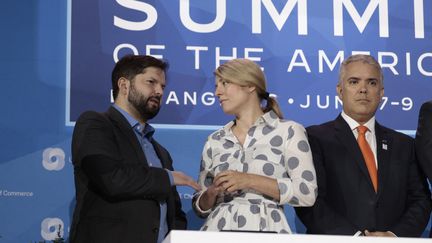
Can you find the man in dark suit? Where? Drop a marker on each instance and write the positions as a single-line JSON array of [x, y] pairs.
[[423, 140], [388, 196], [124, 179]]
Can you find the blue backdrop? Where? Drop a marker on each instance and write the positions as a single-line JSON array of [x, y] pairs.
[[56, 58]]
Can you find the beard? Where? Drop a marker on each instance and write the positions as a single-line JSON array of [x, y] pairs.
[[141, 104]]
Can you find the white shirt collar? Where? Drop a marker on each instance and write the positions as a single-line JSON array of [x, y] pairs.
[[353, 124]]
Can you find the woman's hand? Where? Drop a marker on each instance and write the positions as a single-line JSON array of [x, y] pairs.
[[232, 180], [208, 199]]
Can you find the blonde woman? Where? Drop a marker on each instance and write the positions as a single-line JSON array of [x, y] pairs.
[[255, 164]]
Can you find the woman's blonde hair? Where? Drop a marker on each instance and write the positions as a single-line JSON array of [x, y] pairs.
[[245, 72]]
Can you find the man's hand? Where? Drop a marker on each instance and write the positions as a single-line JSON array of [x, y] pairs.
[[181, 179]]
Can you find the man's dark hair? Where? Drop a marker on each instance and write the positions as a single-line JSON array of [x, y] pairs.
[[131, 65]]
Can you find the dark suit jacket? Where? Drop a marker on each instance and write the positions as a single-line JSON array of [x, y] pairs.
[[424, 139], [346, 199], [117, 193]]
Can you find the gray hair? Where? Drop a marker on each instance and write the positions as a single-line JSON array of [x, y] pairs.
[[368, 59]]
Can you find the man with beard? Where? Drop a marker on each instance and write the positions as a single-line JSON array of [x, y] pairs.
[[124, 179]]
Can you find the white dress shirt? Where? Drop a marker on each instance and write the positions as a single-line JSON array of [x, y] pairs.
[[370, 134]]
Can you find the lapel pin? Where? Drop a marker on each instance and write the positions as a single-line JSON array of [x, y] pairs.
[[384, 144]]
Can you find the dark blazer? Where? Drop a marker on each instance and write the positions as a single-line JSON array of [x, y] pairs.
[[347, 202], [424, 138], [117, 193], [423, 141]]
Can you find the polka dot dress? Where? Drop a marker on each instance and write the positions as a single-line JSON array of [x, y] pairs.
[[274, 148]]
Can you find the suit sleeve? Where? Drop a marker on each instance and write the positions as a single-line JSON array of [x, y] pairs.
[[321, 218], [180, 221], [424, 139], [180, 216], [418, 203], [97, 157], [204, 180]]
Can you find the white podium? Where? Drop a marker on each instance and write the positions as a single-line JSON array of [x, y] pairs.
[[188, 236]]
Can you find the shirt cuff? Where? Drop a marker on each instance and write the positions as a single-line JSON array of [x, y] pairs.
[[197, 207], [170, 177]]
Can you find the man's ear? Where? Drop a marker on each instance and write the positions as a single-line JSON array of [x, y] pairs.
[[339, 90], [123, 85]]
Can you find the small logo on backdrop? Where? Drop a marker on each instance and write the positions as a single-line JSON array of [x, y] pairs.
[[186, 195], [50, 228], [53, 158]]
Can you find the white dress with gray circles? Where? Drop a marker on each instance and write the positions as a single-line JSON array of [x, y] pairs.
[[273, 147]]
